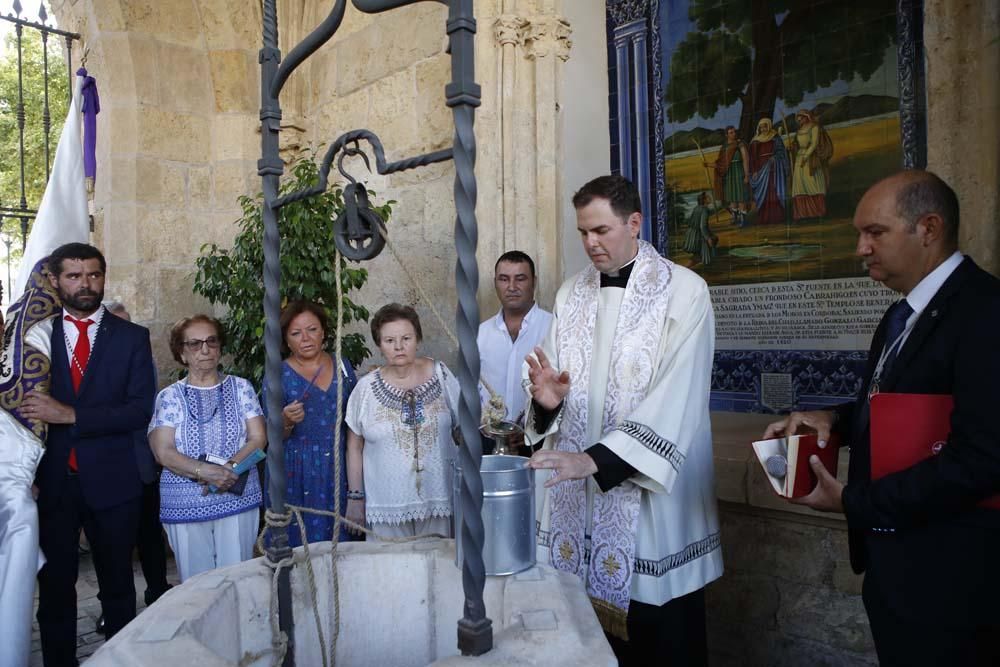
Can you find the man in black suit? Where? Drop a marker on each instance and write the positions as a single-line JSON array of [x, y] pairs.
[[102, 391], [931, 555]]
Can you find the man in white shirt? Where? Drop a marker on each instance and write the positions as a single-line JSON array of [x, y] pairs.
[[508, 337]]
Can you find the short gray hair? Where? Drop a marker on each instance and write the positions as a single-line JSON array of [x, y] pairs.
[[115, 306], [926, 193]]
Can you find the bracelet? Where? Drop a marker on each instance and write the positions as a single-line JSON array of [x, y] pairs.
[[197, 473], [355, 495]]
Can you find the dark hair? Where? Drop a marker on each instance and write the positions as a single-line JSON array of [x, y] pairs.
[[74, 251], [180, 326], [516, 257], [618, 190], [923, 193], [295, 308], [394, 312]]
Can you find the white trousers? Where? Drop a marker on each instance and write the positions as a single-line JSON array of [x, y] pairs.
[[439, 525], [201, 546], [20, 558]]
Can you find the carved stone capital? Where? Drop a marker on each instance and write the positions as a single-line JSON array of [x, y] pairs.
[[546, 36], [509, 29], [626, 11]]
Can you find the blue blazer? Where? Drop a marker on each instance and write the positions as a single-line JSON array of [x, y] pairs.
[[115, 400]]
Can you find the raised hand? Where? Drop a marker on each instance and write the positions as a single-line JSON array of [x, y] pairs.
[[548, 386]]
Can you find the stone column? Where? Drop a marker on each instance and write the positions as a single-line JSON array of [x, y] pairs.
[[962, 40], [546, 44], [507, 31]]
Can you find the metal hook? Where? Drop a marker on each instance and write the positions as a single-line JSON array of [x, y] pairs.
[[83, 60], [351, 151]]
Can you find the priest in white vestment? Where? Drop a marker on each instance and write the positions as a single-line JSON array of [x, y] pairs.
[[24, 367], [620, 393]]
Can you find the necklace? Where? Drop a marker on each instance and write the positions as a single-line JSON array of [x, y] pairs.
[[410, 401], [194, 399], [72, 351]]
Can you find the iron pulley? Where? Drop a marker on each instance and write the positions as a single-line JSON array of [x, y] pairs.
[[356, 231]]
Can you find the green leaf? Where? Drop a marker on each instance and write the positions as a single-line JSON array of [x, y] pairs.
[[233, 277]]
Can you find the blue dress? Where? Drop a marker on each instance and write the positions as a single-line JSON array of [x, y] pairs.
[[309, 452]]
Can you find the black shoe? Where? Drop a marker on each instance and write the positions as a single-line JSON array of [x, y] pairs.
[[101, 625], [150, 596]]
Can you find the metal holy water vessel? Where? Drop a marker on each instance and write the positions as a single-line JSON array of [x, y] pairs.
[[503, 434], [508, 513]]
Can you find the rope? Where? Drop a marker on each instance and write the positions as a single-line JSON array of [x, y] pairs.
[[279, 642], [337, 426], [496, 401]]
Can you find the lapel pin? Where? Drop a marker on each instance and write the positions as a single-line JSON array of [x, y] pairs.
[[934, 313]]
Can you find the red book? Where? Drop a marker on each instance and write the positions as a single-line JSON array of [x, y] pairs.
[[799, 479], [908, 428]]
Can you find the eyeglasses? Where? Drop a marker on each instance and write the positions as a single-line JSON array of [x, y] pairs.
[[194, 344]]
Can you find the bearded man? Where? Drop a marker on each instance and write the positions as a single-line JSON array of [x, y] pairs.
[[102, 391]]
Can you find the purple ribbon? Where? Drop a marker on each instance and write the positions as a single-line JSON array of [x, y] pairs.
[[90, 104]]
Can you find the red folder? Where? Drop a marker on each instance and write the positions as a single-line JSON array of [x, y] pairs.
[[908, 428]]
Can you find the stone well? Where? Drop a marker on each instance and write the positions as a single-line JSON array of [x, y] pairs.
[[399, 606]]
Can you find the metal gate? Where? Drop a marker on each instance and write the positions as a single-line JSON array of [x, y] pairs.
[[54, 43]]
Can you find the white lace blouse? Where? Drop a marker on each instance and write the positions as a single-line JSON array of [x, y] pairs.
[[408, 449]]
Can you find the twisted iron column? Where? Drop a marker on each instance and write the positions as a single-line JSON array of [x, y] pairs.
[[475, 630], [270, 169]]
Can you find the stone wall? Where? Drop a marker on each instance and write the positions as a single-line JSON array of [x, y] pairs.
[[176, 141], [963, 103], [788, 596], [179, 138]]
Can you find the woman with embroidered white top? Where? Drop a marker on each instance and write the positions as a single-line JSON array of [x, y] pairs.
[[202, 427], [399, 444]]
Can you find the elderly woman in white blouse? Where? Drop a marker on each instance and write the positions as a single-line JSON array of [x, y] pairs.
[[399, 444]]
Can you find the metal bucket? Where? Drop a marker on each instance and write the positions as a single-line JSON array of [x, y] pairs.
[[508, 514]]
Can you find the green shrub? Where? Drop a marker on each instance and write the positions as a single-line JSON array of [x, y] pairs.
[[233, 278]]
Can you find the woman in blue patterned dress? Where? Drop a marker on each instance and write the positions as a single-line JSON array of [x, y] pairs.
[[310, 414], [202, 427]]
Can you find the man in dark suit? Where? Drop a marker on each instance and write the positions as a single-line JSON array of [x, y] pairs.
[[931, 555], [150, 542], [102, 391]]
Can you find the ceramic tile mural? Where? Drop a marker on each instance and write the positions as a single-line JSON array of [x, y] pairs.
[[775, 116]]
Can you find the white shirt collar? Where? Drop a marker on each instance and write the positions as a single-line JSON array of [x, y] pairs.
[[95, 316], [499, 322], [921, 295]]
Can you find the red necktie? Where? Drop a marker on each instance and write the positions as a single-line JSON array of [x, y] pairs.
[[77, 366]]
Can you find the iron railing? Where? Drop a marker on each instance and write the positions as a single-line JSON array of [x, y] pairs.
[[24, 210]]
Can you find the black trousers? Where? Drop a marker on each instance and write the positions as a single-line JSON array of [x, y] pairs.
[[111, 533], [672, 634], [151, 545], [904, 642]]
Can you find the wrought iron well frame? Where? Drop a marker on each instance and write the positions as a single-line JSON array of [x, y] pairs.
[[475, 634]]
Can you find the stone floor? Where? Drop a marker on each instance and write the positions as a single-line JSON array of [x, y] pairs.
[[88, 608]]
